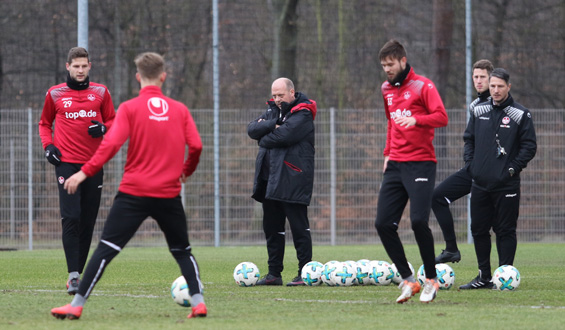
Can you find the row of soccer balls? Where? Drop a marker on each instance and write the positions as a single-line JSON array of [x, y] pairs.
[[371, 272]]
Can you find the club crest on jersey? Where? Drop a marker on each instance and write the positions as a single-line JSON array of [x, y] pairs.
[[159, 108], [61, 180], [407, 95], [506, 120], [91, 97]]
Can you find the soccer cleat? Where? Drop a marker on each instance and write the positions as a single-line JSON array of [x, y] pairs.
[[198, 311], [477, 283], [297, 281], [270, 280], [446, 256], [429, 293], [409, 289], [72, 286], [67, 311]]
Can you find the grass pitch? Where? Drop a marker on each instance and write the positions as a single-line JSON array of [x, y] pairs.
[[134, 293]]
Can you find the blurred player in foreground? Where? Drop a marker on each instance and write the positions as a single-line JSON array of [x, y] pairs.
[[159, 129]]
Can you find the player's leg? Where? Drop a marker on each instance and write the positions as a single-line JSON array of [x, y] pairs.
[[451, 189], [125, 217], [419, 180], [273, 226], [297, 215], [170, 216], [391, 203], [482, 211], [507, 205], [91, 192], [69, 205]]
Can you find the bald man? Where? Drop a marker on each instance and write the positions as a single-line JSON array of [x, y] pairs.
[[284, 175]]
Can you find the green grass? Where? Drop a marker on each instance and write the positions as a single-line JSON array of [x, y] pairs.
[[134, 293]]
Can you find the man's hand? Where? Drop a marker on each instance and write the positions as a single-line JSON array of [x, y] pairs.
[[53, 154], [71, 184], [385, 163], [406, 121], [96, 130]]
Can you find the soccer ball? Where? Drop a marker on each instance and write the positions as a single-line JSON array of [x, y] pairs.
[[363, 270], [445, 276], [506, 278], [396, 275], [179, 292], [381, 273], [246, 274], [329, 268], [312, 273], [344, 275]]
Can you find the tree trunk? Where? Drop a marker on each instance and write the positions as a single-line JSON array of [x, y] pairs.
[[441, 43], [285, 39]]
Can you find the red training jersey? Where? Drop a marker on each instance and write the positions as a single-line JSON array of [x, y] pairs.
[[72, 111], [416, 97], [159, 129]]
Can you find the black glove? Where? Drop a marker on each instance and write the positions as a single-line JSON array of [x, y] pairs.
[[53, 154], [96, 130]]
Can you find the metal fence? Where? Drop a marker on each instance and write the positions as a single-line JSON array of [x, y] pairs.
[[349, 160]]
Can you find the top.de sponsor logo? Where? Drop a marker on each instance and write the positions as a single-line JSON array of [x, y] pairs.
[[81, 114]]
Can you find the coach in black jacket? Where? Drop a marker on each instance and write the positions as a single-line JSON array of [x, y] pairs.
[[500, 140], [284, 175]]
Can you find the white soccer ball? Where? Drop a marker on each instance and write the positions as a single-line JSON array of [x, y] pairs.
[[363, 271], [329, 268], [179, 292], [381, 272], [445, 276], [344, 275], [397, 278], [312, 273], [246, 274], [506, 278]]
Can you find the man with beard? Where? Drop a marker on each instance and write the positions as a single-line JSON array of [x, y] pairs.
[[413, 109]]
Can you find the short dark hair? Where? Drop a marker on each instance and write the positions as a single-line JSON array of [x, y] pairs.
[[77, 52], [393, 49], [484, 65], [150, 65], [501, 73]]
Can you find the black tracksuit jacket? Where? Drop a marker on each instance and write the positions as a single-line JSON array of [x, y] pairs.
[[510, 123]]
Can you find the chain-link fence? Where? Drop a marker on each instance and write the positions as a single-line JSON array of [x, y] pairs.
[[349, 172]]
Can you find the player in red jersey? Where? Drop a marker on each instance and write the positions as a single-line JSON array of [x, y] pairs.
[[83, 112], [159, 129], [413, 109]]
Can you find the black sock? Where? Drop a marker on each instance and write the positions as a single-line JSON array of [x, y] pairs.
[[451, 245]]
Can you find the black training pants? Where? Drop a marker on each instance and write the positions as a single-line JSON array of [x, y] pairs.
[[451, 189], [274, 215], [78, 214], [497, 210], [126, 215], [403, 181]]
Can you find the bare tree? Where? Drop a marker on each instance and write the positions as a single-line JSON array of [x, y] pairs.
[[285, 39]]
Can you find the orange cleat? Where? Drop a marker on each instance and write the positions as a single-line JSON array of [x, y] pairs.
[[409, 289], [198, 311], [67, 311]]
